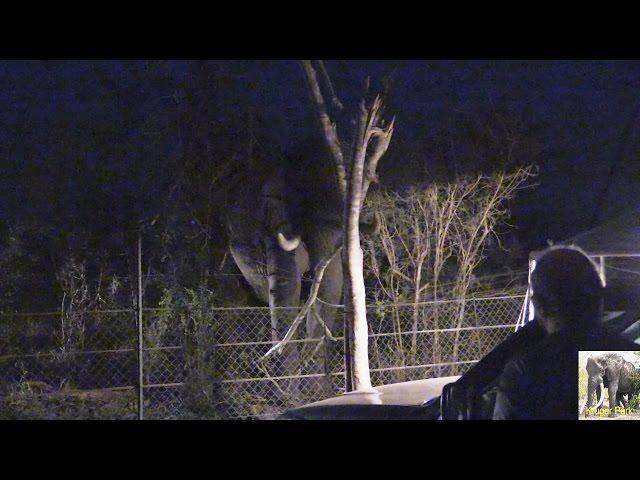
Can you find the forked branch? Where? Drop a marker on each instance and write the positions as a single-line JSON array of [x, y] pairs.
[[335, 101], [313, 295], [329, 127]]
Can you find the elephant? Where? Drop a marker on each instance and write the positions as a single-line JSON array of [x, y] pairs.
[[285, 220], [610, 370], [283, 223]]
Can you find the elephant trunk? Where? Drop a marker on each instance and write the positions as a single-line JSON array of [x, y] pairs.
[[286, 244]]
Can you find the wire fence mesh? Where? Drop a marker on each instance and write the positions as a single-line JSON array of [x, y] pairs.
[[206, 363]]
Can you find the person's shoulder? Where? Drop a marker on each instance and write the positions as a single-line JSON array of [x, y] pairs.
[[532, 354], [552, 352], [603, 340], [620, 343]]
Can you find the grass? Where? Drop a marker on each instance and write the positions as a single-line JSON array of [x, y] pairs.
[[24, 402], [582, 385]]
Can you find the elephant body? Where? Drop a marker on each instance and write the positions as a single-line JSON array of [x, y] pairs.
[[281, 224], [610, 370]]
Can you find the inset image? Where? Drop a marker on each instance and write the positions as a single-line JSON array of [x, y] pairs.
[[609, 385]]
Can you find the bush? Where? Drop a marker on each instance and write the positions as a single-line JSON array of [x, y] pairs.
[[185, 320], [38, 401], [634, 401]]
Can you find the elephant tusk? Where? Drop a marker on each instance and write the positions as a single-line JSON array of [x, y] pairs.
[[601, 401], [288, 245]]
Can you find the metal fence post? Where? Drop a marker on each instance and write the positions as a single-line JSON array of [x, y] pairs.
[[140, 338]]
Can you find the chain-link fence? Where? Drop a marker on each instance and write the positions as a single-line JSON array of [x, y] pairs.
[[207, 362], [73, 365]]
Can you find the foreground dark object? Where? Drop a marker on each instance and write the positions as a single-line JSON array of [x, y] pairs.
[[365, 412], [471, 397], [399, 401]]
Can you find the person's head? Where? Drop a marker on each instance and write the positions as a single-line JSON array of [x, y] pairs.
[[566, 289]]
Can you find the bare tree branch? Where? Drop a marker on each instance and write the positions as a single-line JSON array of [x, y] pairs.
[[359, 155], [330, 132], [313, 295], [319, 319], [383, 138], [335, 101]]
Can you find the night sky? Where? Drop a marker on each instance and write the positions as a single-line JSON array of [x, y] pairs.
[[572, 118]]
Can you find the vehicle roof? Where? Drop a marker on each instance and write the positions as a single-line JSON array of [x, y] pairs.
[[405, 393]]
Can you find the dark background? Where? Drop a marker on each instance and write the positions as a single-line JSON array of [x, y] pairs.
[[90, 149]]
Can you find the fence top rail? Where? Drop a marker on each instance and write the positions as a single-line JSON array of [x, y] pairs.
[[59, 312], [429, 302], [369, 306], [55, 353], [242, 308], [63, 353], [371, 335]]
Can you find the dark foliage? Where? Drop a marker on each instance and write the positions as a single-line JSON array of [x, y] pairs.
[[93, 152]]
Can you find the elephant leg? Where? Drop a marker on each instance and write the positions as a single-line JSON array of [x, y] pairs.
[[593, 389], [613, 396], [329, 295], [622, 401], [283, 279]]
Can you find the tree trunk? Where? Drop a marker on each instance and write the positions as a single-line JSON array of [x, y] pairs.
[[416, 310], [460, 319], [354, 175], [355, 307], [355, 295]]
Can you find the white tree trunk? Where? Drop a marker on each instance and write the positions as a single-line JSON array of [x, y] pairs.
[[356, 310], [355, 295], [353, 184]]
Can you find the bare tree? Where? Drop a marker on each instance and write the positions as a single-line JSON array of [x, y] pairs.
[[425, 229], [414, 243], [355, 171], [476, 223]]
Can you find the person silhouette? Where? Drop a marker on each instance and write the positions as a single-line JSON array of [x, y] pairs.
[[540, 381]]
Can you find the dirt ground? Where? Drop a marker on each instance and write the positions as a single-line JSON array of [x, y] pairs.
[[634, 416]]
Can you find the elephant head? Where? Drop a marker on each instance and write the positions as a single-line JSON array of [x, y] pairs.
[[282, 225]]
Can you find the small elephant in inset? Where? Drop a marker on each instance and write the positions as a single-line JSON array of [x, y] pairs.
[[609, 370]]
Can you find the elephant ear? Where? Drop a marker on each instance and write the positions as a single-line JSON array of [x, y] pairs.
[[288, 245]]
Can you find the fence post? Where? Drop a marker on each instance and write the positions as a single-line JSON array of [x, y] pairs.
[[348, 366], [140, 338]]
